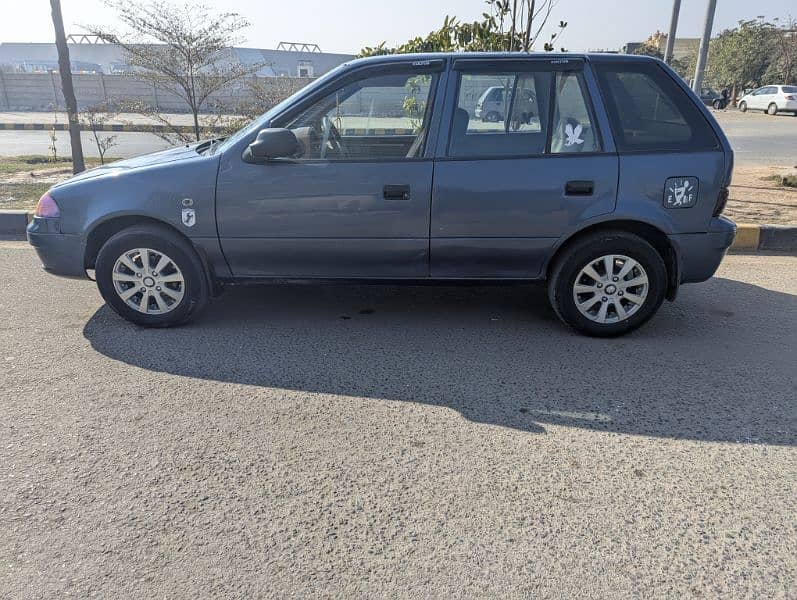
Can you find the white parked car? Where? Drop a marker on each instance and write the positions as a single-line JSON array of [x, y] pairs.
[[772, 99]]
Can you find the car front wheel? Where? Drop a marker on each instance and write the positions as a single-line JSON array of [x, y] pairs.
[[608, 284], [152, 277], [743, 106]]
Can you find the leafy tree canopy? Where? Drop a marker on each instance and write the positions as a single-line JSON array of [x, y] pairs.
[[508, 25]]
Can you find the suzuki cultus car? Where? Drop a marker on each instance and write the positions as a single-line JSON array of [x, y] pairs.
[[603, 175]]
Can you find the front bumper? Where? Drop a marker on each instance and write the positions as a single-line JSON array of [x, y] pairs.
[[700, 254], [61, 254]]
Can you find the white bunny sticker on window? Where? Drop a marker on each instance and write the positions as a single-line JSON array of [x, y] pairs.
[[573, 134]]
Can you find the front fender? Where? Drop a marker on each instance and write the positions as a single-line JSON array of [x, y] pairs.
[[159, 191]]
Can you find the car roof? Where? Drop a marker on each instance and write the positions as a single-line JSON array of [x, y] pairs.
[[498, 56]]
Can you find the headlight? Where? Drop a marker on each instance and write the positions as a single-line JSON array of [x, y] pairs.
[[47, 207]]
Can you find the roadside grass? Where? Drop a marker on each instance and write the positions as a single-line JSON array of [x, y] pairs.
[[21, 196], [34, 162], [19, 192], [789, 181]]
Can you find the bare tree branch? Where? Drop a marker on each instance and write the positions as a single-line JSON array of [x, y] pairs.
[[183, 50]]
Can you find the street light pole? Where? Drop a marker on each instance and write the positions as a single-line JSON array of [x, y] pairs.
[[702, 55], [676, 8]]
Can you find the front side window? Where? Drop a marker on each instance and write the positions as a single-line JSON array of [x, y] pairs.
[[649, 111], [382, 117], [510, 114]]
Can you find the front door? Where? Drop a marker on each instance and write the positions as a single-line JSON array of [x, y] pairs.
[[506, 190], [355, 202]]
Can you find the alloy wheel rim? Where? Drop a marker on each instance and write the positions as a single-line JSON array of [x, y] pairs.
[[610, 289], [148, 281]]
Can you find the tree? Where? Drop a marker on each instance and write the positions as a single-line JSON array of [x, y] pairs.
[[94, 118], [509, 25], [184, 50], [65, 70], [784, 67], [740, 57]]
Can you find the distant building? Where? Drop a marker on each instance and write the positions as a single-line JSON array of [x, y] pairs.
[[289, 60], [682, 48]]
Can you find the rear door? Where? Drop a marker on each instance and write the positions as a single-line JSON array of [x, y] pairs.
[[762, 97], [505, 191]]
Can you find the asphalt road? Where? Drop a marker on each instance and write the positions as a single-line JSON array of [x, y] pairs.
[[429, 442], [757, 139]]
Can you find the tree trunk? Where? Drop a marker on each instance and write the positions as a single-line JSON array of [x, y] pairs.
[[527, 32], [196, 124], [514, 26], [66, 85]]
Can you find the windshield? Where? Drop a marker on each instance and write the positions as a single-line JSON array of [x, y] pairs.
[[258, 122]]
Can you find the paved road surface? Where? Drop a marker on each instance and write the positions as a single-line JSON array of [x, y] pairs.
[[757, 139], [379, 442]]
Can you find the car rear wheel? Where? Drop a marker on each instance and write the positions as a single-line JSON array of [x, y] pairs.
[[152, 277], [772, 109], [743, 106], [608, 284]]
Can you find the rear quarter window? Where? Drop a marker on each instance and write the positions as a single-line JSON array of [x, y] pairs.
[[649, 111]]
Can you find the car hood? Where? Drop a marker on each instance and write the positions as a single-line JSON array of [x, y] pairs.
[[146, 160]]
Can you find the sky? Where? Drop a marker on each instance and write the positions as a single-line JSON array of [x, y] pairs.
[[348, 25]]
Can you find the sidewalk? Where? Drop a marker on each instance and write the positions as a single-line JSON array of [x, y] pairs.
[[119, 119]]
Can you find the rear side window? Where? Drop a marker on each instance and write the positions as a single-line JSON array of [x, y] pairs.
[[649, 111], [520, 114]]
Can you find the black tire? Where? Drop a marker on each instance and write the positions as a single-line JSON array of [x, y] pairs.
[[718, 105], [575, 257], [743, 106], [492, 117], [195, 293], [772, 109]]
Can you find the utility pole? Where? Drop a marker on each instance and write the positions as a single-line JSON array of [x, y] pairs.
[[66, 85], [702, 55], [676, 8]]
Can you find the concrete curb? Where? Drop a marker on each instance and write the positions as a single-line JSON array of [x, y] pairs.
[[765, 238], [749, 237], [14, 222]]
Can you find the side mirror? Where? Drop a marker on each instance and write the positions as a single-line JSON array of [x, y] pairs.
[[272, 143]]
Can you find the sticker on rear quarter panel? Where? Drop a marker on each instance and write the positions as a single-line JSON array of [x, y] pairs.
[[680, 192]]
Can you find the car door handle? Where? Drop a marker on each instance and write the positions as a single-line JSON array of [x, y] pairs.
[[579, 188], [396, 192]]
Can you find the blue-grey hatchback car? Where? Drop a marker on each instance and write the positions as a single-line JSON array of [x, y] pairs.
[[604, 175]]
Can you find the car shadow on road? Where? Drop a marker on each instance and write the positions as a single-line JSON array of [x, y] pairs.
[[717, 365]]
